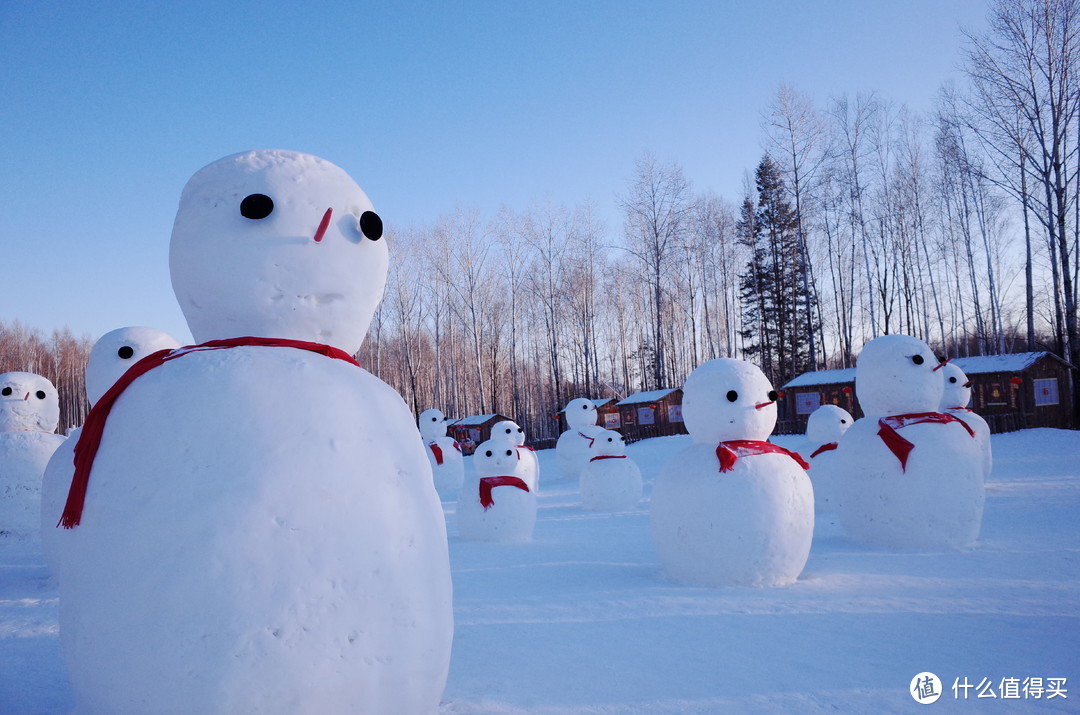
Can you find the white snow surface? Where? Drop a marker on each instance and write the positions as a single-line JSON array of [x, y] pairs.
[[581, 619]]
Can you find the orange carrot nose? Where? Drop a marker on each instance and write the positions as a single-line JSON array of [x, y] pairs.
[[27, 397], [323, 225], [967, 384], [759, 405], [940, 365]]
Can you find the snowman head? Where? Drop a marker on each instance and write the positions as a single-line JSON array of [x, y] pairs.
[[898, 374], [432, 424], [28, 402], [510, 431], [827, 424], [609, 443], [116, 351], [277, 244], [957, 387], [495, 458], [580, 413], [727, 399]]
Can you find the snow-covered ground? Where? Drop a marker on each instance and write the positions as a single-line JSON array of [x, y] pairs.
[[581, 620]]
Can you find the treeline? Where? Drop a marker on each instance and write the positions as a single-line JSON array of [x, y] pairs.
[[60, 357]]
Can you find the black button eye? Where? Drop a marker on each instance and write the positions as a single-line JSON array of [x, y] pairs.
[[917, 359], [843, 422], [7, 391], [371, 225], [487, 453], [40, 394], [952, 379], [509, 452], [125, 352], [509, 431], [773, 396], [256, 206], [732, 396], [610, 439], [584, 407], [434, 419]]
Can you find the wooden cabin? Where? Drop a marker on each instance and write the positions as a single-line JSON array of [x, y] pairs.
[[1010, 392], [656, 413], [471, 431]]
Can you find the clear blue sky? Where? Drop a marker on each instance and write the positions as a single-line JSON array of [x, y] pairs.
[[108, 107]]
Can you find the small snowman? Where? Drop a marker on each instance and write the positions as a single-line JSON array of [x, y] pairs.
[[732, 509], [530, 467], [907, 475], [443, 452], [575, 446], [257, 529], [824, 428], [610, 481], [496, 504], [954, 401], [112, 355], [29, 415]]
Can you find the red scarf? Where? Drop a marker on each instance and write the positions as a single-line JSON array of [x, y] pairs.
[[827, 447], [608, 456], [489, 483], [94, 427], [519, 447], [729, 452], [585, 436], [902, 447], [437, 451]]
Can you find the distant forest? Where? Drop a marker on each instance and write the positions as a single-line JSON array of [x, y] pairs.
[[862, 218]]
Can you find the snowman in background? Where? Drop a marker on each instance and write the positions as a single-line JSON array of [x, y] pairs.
[[29, 416], [530, 468], [496, 504], [824, 428], [575, 446], [112, 355], [257, 528], [443, 452], [610, 481], [732, 509], [954, 401], [907, 476]]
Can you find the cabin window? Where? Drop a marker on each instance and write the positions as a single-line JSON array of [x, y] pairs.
[[1046, 391], [612, 421], [674, 413], [807, 402], [645, 416]]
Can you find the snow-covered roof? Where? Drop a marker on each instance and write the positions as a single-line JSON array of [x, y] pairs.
[[998, 363], [1015, 362], [474, 420], [823, 377], [650, 396]]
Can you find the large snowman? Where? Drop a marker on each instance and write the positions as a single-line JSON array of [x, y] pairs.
[[511, 432], [443, 452], [954, 401], [29, 415], [908, 476], [732, 509], [258, 530], [575, 446], [112, 355]]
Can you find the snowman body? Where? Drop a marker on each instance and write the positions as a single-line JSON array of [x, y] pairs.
[[530, 466], [907, 476], [496, 503], [610, 481], [731, 509], [245, 552]]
